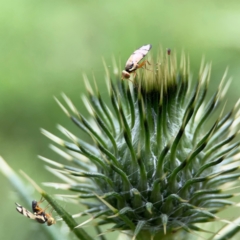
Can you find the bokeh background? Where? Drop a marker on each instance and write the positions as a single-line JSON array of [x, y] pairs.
[[46, 46]]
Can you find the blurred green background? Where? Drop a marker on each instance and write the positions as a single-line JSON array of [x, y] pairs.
[[45, 46]]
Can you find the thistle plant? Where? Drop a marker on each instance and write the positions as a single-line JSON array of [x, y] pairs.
[[162, 154]]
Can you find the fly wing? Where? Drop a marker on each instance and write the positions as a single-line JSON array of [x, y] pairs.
[[142, 51], [137, 56], [26, 213]]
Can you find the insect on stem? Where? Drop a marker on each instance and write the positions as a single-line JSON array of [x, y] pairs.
[[38, 214]]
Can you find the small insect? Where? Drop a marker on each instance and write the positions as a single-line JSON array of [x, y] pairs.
[[168, 51], [38, 214], [132, 63]]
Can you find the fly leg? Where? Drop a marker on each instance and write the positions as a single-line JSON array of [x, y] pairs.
[[143, 65]]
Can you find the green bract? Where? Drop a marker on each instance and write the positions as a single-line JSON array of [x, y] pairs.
[[160, 155]]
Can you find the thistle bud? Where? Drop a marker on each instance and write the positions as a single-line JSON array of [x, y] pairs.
[[160, 155]]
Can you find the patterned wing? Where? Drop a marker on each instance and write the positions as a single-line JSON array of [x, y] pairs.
[[39, 218]]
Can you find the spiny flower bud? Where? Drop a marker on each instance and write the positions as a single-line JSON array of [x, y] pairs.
[[161, 153]]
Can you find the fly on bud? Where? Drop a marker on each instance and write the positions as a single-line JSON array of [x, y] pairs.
[[132, 63]]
